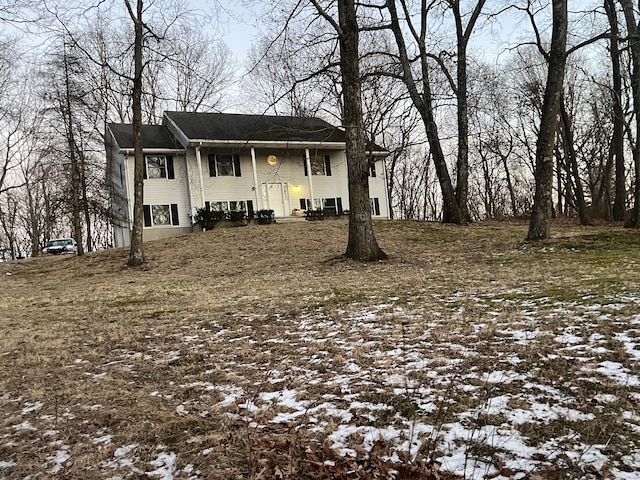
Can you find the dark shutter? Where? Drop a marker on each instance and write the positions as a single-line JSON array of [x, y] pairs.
[[372, 169], [327, 165], [207, 206], [376, 206], [170, 173], [304, 164], [250, 213], [303, 203], [339, 205], [212, 165], [174, 214], [144, 171], [147, 215], [236, 165]]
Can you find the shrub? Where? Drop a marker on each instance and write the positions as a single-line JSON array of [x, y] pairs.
[[208, 219], [313, 215], [265, 217], [237, 217]]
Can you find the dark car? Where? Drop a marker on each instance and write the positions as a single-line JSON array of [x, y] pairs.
[[58, 246]]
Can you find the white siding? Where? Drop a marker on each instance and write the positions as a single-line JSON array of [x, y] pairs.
[[378, 189], [288, 171], [163, 191]]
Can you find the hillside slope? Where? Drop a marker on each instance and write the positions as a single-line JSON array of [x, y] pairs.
[[258, 352]]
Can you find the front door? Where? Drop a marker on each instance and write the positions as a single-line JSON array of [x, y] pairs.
[[276, 197]]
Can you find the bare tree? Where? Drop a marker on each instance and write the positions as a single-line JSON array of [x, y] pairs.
[[362, 244], [633, 30], [616, 151], [136, 253], [539, 226], [420, 92]]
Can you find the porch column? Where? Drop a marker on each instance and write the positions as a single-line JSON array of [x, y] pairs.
[[199, 163], [256, 186], [307, 160]]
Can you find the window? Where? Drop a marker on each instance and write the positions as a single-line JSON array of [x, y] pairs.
[[230, 206], [375, 206], [372, 168], [319, 166], [224, 165], [158, 166], [330, 204], [237, 206], [219, 206], [160, 215]]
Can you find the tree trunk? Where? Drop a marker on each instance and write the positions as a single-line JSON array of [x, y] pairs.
[[136, 254], [634, 46], [539, 226], [362, 244], [462, 171], [572, 163], [617, 140], [423, 101], [507, 174], [85, 202], [75, 167]]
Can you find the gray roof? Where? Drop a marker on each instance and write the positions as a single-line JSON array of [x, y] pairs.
[[153, 136], [225, 126]]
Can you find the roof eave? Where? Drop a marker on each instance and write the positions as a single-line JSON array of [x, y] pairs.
[[130, 150], [265, 144]]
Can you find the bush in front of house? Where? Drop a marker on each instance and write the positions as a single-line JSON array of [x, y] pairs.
[[208, 219], [313, 215], [265, 217], [237, 218]]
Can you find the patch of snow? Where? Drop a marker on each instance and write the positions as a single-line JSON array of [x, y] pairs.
[[32, 407], [165, 465], [26, 425], [59, 459]]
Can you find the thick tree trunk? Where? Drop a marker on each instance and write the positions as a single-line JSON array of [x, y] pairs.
[[539, 226], [362, 244], [617, 140], [634, 46], [136, 254]]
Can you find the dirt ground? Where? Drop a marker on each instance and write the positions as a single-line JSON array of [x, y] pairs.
[[259, 352]]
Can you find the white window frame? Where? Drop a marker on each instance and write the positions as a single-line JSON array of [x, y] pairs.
[[227, 156], [162, 168], [317, 164], [169, 221]]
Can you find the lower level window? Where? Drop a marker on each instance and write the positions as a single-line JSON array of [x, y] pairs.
[[161, 215], [231, 206], [328, 204], [375, 206]]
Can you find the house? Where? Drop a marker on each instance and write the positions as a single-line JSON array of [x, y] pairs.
[[232, 162]]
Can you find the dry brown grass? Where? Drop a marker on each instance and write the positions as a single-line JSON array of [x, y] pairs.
[[90, 348]]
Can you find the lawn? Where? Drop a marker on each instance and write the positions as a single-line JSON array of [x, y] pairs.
[[259, 353]]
